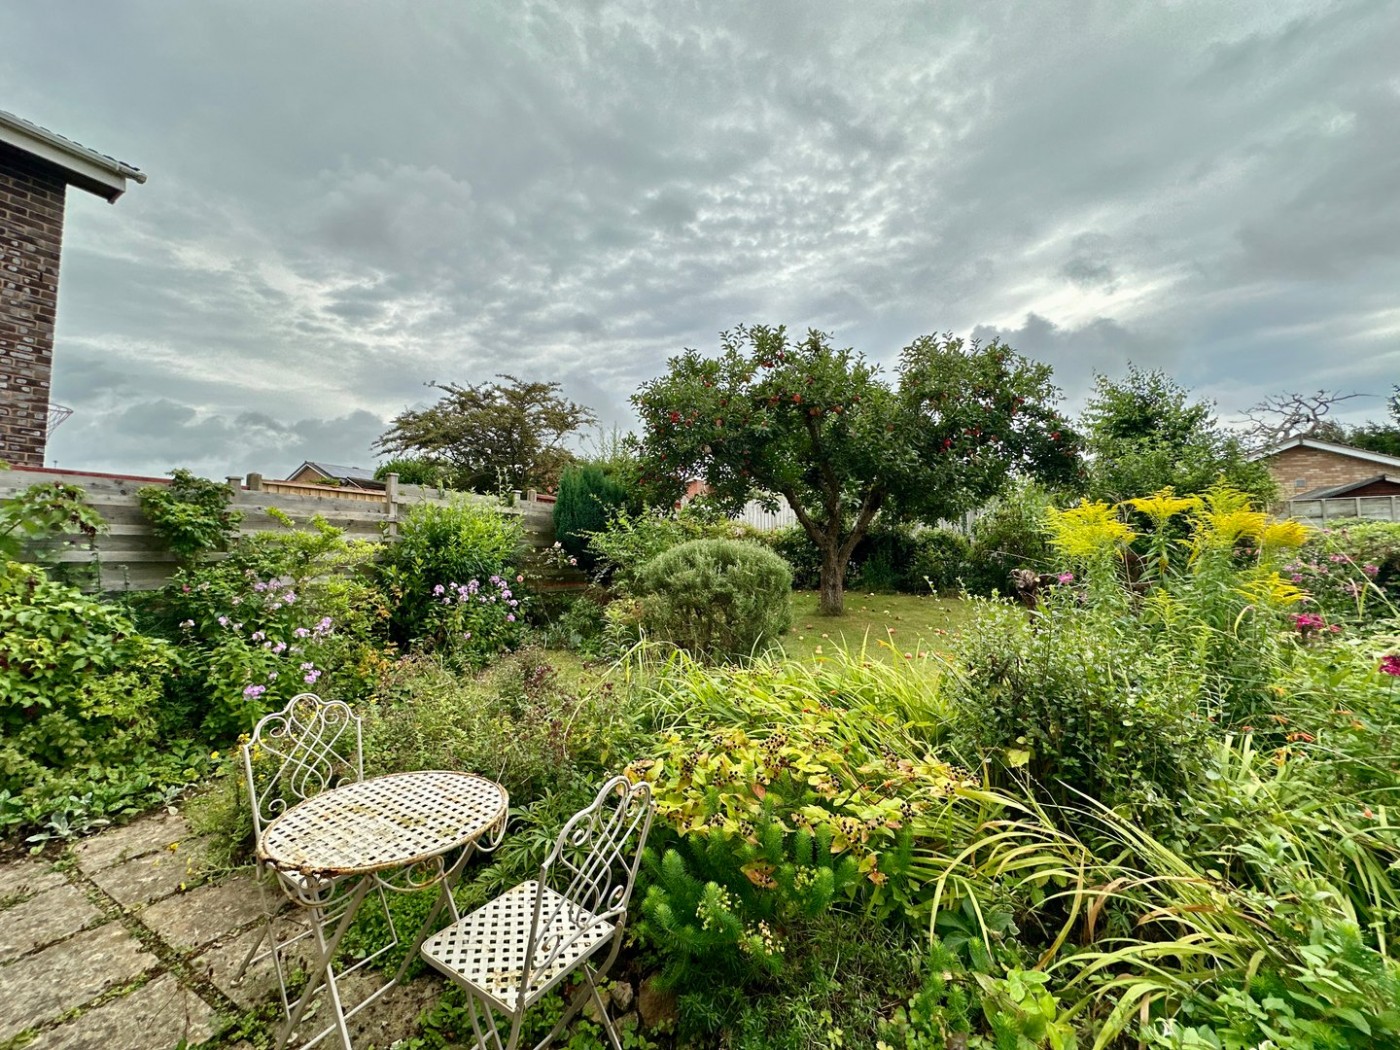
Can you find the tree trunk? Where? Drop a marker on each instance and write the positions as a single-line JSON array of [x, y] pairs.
[[833, 594]]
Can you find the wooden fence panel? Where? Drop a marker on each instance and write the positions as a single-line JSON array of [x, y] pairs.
[[128, 557]]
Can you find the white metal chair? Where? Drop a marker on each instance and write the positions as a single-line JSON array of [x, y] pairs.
[[310, 746], [509, 953]]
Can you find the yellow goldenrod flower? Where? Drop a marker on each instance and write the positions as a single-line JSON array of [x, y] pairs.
[[1164, 504], [1270, 589], [1089, 530], [1286, 533]]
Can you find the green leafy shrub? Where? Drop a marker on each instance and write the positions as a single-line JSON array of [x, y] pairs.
[[78, 684], [795, 547], [286, 612], [41, 513], [718, 598], [446, 547], [579, 627], [1350, 569], [533, 721], [632, 539], [416, 470], [587, 499], [941, 560], [190, 515], [1009, 535], [1079, 703]]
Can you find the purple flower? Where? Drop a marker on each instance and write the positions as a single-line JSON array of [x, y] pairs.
[[237, 600], [272, 676], [258, 636], [252, 692], [467, 635], [307, 666], [1390, 665], [438, 589], [1065, 577], [1370, 570], [311, 677], [301, 632], [289, 597], [259, 586], [510, 617], [280, 648], [223, 621]]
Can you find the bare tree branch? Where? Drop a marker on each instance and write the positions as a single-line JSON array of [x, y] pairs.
[[1280, 417]]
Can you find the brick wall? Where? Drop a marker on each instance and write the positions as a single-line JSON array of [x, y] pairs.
[[31, 236], [1316, 468]]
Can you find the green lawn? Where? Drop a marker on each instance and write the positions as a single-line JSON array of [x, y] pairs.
[[912, 623]]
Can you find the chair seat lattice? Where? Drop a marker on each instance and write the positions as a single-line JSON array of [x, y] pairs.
[[486, 949]]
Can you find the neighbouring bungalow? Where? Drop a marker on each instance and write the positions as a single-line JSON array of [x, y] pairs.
[[315, 473], [1310, 469], [36, 168]]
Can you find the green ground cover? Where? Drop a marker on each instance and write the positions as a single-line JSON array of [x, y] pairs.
[[884, 626]]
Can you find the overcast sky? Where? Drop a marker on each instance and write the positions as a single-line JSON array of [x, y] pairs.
[[350, 200]]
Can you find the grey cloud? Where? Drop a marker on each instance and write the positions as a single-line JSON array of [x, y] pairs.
[[346, 202]]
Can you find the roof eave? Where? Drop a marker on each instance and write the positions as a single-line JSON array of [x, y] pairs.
[[84, 168]]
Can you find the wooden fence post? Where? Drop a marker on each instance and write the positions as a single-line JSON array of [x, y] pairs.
[[391, 505]]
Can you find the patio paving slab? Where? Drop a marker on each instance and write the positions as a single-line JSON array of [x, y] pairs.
[[134, 840], [150, 877], [23, 878], [48, 983], [191, 920], [221, 961], [156, 1016], [49, 917]]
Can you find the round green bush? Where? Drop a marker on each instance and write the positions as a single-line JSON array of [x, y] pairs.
[[716, 598]]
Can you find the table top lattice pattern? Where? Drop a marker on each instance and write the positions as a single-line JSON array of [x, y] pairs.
[[386, 822], [486, 949]]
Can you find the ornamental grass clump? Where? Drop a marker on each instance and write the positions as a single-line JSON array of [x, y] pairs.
[[720, 599]]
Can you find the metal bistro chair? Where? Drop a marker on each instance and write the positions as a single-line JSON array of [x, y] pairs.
[[310, 746], [508, 954]]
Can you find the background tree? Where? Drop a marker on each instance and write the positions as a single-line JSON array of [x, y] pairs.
[[1144, 432], [1380, 437], [820, 427], [508, 434], [1282, 416]]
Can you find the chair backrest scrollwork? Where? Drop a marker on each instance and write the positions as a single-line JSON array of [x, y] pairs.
[[593, 868], [300, 751]]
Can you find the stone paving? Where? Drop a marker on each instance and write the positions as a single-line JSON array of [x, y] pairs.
[[119, 946]]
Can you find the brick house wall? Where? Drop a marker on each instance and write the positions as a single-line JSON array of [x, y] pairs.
[[31, 237], [1300, 469]]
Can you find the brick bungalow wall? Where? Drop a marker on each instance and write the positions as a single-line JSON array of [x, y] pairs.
[[31, 236], [1317, 468]]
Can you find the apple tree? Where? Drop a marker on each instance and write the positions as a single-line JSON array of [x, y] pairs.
[[822, 427]]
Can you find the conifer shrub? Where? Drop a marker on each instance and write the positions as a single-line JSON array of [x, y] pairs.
[[587, 498], [716, 598]]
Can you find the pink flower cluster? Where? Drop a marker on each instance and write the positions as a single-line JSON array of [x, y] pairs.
[[1390, 665], [1309, 624]]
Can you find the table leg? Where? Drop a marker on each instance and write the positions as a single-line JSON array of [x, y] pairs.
[[322, 968], [449, 882]]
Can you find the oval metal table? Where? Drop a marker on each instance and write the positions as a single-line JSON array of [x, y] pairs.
[[402, 832]]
